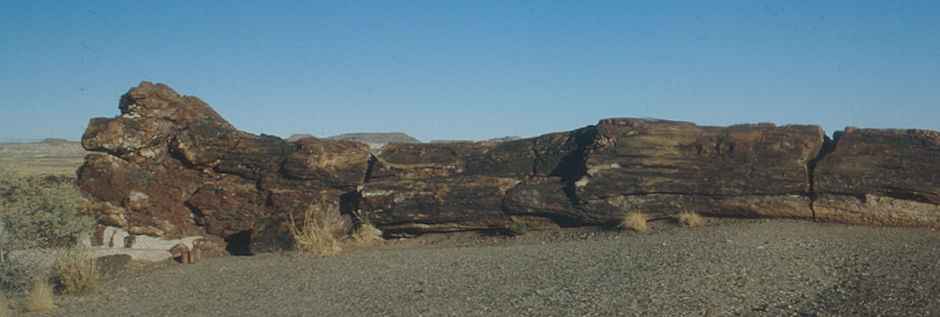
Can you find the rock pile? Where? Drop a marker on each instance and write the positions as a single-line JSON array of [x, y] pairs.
[[171, 167]]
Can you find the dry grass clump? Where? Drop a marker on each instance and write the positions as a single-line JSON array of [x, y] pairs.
[[315, 235], [77, 274], [690, 218], [3, 308], [366, 232], [634, 220], [39, 298]]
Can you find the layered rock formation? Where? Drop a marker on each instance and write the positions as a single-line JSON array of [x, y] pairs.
[[171, 167]]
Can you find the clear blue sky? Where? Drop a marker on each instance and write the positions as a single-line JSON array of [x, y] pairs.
[[474, 69]]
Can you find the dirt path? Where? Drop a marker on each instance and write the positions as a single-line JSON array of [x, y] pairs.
[[728, 267]]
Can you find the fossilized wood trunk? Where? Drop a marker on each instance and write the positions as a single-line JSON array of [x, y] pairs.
[[886, 177], [171, 167]]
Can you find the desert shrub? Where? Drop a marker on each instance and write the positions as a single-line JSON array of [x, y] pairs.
[[315, 235], [17, 275], [364, 232], [516, 226], [39, 298], [77, 273], [690, 218], [36, 214], [39, 213], [23, 268], [634, 220]]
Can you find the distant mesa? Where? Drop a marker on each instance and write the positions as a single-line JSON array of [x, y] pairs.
[[502, 139], [297, 136], [375, 141], [35, 148], [57, 141], [18, 140], [390, 137]]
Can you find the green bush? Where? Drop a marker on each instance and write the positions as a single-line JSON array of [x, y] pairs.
[[36, 213], [40, 213]]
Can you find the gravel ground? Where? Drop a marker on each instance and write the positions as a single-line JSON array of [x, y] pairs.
[[726, 267]]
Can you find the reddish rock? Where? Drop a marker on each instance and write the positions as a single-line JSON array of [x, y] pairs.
[[180, 253], [176, 168], [228, 206], [888, 177], [158, 101], [121, 136], [210, 145], [122, 186]]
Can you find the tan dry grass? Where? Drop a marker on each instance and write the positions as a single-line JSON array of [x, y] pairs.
[[39, 298], [3, 308], [635, 221], [690, 218], [315, 235], [366, 232], [77, 274]]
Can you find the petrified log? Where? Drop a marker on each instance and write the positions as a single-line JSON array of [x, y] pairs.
[[298, 208], [211, 145], [437, 204], [329, 163], [889, 177], [228, 205], [707, 167], [546, 196], [462, 186], [419, 161], [175, 168], [139, 200]]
